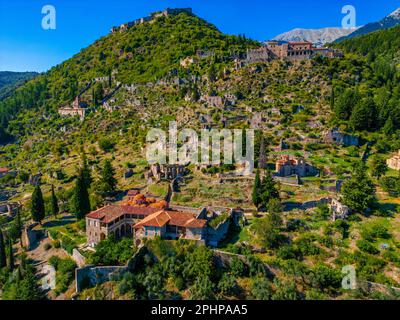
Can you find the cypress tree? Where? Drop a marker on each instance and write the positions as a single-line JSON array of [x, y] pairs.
[[108, 181], [38, 209], [3, 259], [81, 202], [262, 159], [256, 189], [10, 255], [54, 203], [86, 171], [16, 228]]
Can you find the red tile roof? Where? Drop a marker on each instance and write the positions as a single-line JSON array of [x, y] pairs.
[[133, 192], [4, 170], [111, 212], [174, 218]]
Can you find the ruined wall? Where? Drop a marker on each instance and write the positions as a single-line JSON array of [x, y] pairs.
[[90, 276], [30, 237], [78, 258], [214, 236]]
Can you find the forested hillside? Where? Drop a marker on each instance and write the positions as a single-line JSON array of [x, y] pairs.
[[11, 80], [371, 103], [144, 53]]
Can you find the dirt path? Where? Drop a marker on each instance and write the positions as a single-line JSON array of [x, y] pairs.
[[40, 254]]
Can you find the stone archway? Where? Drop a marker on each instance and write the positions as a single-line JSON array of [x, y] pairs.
[[117, 233]]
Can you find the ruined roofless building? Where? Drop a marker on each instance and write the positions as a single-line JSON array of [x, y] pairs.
[[287, 166], [262, 54], [394, 162]]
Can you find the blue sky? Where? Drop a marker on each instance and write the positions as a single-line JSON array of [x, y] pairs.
[[25, 46]]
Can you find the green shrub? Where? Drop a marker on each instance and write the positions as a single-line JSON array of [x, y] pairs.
[[367, 247], [56, 244], [65, 273]]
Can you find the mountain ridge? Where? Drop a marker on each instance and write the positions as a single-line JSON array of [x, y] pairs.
[[387, 22], [317, 36]]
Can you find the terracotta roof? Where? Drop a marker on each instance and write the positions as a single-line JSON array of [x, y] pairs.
[[133, 192], [300, 42], [109, 213], [157, 219], [3, 170], [174, 218]]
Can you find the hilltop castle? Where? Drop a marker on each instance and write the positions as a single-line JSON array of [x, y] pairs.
[[167, 12]]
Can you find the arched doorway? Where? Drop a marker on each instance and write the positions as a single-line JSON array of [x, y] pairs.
[[128, 230], [117, 233], [102, 236]]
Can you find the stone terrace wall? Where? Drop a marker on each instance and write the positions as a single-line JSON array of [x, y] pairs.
[[90, 276]]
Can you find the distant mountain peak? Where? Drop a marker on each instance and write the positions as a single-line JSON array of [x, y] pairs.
[[395, 14], [316, 36]]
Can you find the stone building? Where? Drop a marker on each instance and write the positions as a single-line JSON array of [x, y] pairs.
[[166, 171], [257, 121], [287, 166], [298, 51], [141, 222], [117, 220], [9, 209], [214, 101], [167, 12], [294, 51], [262, 54], [78, 108], [394, 162], [339, 210], [337, 137], [171, 225], [146, 219]]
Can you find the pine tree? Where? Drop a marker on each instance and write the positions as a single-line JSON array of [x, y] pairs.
[[107, 180], [389, 126], [10, 255], [256, 189], [378, 166], [359, 191], [54, 203], [269, 190], [38, 209], [80, 199], [3, 259]]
